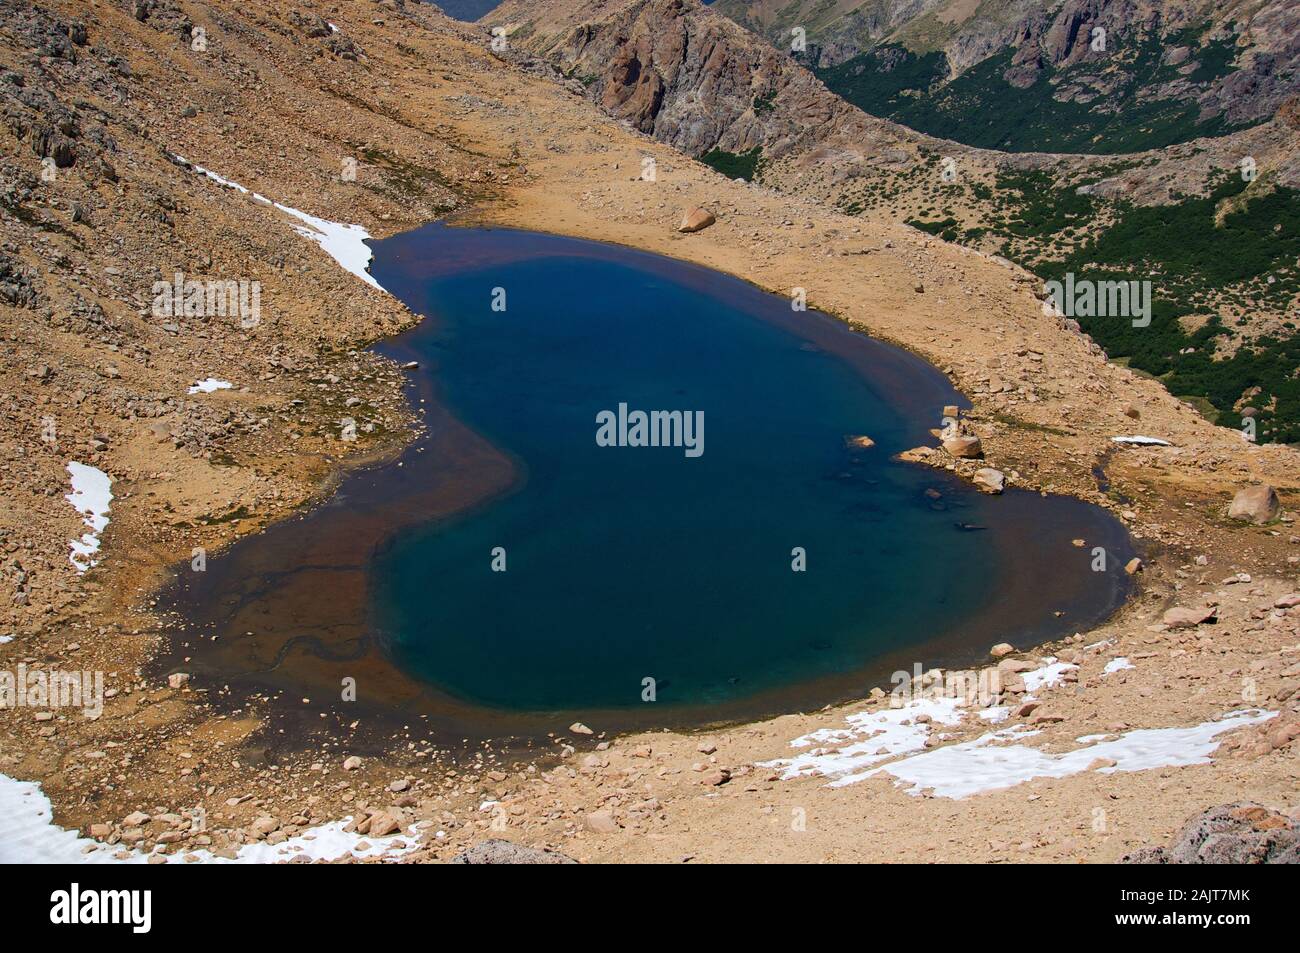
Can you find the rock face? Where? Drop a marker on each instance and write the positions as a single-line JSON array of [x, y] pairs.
[[1255, 504], [694, 79], [1041, 38], [498, 851], [696, 220], [1242, 833]]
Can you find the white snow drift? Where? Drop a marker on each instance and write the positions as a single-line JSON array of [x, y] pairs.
[[994, 760], [346, 244], [28, 835], [91, 495], [208, 385]]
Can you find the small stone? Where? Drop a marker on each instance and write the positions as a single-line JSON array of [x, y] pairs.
[[578, 728], [351, 763], [716, 778], [1002, 649]]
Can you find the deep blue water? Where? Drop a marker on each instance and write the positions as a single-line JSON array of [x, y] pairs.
[[628, 563]]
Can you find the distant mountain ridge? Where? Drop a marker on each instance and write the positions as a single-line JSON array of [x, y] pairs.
[[1100, 76]]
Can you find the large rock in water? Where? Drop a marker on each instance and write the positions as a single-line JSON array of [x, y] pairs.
[[497, 851], [1255, 504], [696, 220], [1241, 833]]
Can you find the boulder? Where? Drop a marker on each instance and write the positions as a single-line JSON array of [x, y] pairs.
[[990, 480], [1255, 504], [858, 442], [696, 220], [1002, 649], [600, 822], [382, 824], [1241, 833], [1185, 618], [497, 851], [964, 447]]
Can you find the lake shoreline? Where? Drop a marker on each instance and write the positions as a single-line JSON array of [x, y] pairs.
[[479, 475]]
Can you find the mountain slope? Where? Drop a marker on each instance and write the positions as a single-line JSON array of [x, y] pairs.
[[1100, 76]]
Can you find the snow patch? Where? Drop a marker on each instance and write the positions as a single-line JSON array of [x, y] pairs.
[[208, 385], [871, 737], [91, 495], [28, 835], [1048, 675], [995, 714], [1117, 664], [1143, 441], [346, 244], [985, 764]]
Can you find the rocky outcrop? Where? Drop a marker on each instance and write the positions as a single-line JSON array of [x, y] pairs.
[[690, 77], [1242, 833], [497, 851], [1263, 45]]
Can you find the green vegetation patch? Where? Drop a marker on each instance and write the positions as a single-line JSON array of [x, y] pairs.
[[980, 108], [735, 165], [1188, 256]]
